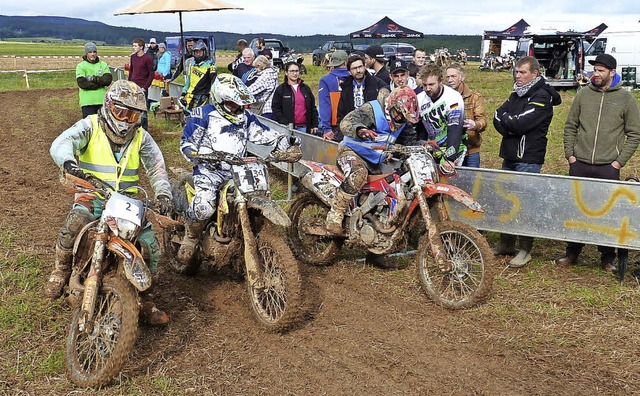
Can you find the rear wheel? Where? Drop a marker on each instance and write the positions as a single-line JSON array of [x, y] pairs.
[[305, 213], [94, 358], [276, 302], [469, 275]]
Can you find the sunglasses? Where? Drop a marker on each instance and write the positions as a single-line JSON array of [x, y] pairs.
[[122, 113]]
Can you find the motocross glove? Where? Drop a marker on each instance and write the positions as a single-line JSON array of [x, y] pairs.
[[90, 78], [292, 154], [72, 168], [364, 134], [164, 204]]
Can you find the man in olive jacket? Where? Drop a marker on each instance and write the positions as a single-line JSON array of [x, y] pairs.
[[601, 134]]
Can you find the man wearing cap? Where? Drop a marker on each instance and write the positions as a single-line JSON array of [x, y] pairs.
[[601, 134], [374, 60], [400, 75], [93, 77], [359, 88], [153, 52], [329, 95]]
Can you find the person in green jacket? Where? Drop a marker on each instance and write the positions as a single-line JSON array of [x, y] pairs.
[[601, 134], [93, 77]]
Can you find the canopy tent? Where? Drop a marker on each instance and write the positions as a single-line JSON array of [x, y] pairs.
[[179, 6], [501, 42], [386, 28]]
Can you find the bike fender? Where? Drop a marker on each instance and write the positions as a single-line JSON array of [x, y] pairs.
[[135, 268], [454, 192], [270, 209]]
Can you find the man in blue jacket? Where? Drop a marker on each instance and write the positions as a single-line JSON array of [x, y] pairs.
[[329, 95]]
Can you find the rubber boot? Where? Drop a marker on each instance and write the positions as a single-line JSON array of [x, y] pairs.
[[524, 254], [60, 274], [338, 207], [506, 246], [193, 231]]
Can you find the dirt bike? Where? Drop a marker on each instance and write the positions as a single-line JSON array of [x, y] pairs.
[[454, 260], [243, 235], [108, 272], [290, 56]]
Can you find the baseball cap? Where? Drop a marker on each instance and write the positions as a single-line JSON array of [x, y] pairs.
[[375, 51], [161, 45], [605, 60], [398, 64], [153, 40], [90, 47], [337, 58]]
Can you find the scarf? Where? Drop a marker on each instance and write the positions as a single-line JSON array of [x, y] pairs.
[[521, 91]]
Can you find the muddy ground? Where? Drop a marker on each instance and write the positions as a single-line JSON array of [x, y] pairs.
[[366, 332]]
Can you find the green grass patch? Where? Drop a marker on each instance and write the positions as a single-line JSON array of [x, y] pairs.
[[57, 48]]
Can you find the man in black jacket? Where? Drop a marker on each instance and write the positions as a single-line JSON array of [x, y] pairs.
[[359, 88], [523, 121]]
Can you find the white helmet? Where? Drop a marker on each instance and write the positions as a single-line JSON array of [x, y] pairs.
[[122, 110], [228, 90]]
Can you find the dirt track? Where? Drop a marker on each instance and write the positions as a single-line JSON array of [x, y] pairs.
[[367, 331]]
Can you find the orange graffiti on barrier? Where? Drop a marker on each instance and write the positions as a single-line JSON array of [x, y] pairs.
[[475, 190], [618, 193], [513, 198], [624, 233]]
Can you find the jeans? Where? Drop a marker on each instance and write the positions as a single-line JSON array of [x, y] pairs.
[[521, 166], [302, 129], [472, 160]]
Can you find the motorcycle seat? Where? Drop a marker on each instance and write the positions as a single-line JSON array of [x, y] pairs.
[[373, 178]]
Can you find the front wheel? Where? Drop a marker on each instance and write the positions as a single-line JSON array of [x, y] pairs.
[[303, 68], [94, 358], [470, 274], [277, 301], [308, 213]]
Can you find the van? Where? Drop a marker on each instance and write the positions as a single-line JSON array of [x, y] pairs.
[[561, 54], [624, 45], [175, 48]]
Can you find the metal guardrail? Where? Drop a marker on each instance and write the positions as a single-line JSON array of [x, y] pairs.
[[565, 208]]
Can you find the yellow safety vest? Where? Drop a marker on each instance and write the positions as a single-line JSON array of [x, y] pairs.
[[98, 159]]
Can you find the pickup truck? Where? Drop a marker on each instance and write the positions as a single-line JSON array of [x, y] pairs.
[[319, 55]]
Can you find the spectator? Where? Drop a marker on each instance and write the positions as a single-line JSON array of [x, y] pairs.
[[262, 49], [164, 67], [294, 103], [475, 114], [374, 60], [264, 82], [419, 60], [357, 89], [201, 72], [153, 52], [244, 69], [442, 112], [601, 134], [400, 75], [141, 72], [523, 121], [240, 45], [180, 68], [329, 95], [93, 77]]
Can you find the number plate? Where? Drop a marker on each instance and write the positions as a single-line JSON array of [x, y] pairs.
[[122, 207], [424, 167], [251, 177]]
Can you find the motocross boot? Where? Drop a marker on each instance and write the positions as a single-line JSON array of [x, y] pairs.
[[60, 274], [193, 231], [338, 207]]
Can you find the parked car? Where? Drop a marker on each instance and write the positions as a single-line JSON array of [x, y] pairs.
[[561, 55], [320, 54], [277, 49], [175, 48], [402, 51]]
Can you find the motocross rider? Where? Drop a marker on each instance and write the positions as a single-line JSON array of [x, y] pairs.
[[201, 72], [386, 120], [110, 146], [223, 127]]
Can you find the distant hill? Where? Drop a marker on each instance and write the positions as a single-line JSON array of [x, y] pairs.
[[80, 29]]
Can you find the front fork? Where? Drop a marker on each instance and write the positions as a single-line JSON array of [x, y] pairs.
[[94, 280], [251, 258], [435, 242]]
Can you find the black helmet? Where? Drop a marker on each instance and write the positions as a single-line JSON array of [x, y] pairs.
[[200, 46]]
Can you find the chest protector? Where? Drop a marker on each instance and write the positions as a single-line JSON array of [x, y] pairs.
[[372, 151], [98, 159]]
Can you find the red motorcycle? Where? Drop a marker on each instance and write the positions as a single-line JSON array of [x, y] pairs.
[[454, 260]]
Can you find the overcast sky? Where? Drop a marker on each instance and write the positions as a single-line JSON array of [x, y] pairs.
[[306, 17]]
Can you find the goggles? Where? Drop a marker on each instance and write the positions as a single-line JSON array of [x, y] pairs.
[[122, 113]]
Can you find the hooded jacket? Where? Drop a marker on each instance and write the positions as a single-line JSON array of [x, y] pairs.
[[329, 96], [523, 122], [602, 126]]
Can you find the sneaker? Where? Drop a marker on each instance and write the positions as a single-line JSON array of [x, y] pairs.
[[521, 259], [568, 259]]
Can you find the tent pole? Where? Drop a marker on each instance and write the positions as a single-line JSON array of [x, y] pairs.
[[182, 43]]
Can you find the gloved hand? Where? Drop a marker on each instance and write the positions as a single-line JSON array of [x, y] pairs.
[[364, 134], [292, 154], [72, 168], [91, 78], [182, 100], [164, 204]]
